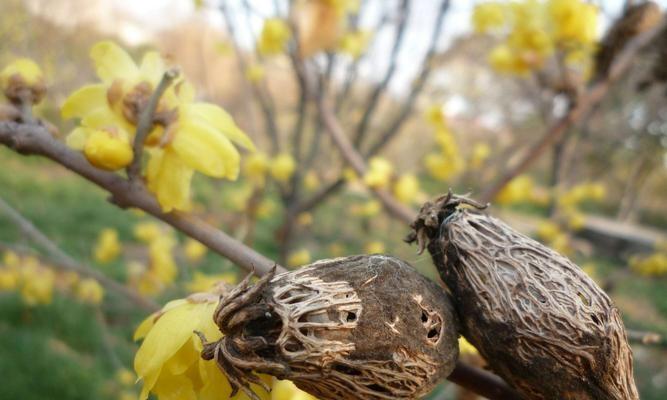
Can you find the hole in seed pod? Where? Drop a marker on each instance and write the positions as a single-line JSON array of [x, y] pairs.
[[595, 319], [351, 317], [424, 317], [433, 334], [293, 346]]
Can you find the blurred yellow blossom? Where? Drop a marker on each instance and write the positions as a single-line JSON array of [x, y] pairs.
[[203, 282], [162, 262], [10, 259], [89, 291], [282, 167], [194, 250], [518, 190], [304, 219], [652, 265], [255, 73], [406, 188], [480, 153], [37, 284], [255, 168], [487, 16], [368, 209], [125, 377], [321, 23], [9, 278], [147, 231], [374, 247], [311, 181], [274, 36], [107, 247], [354, 43], [575, 21], [379, 173], [548, 231], [298, 258]]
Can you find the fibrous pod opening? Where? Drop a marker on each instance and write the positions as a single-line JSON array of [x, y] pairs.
[[361, 327], [538, 320]]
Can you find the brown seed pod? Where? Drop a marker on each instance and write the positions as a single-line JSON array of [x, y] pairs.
[[538, 320], [360, 327]]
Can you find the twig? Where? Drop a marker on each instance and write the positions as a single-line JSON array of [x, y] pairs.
[[482, 382], [107, 339], [585, 103], [146, 120], [406, 109], [362, 128], [265, 103], [65, 262], [646, 338], [35, 139]]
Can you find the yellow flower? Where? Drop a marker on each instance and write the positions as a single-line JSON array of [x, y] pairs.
[[274, 36], [147, 231], [652, 265], [168, 361], [70, 279], [548, 231], [320, 24], [188, 136], [299, 257], [503, 59], [575, 21], [465, 347], [38, 285], [354, 43], [90, 291], [518, 190], [286, 390], [480, 153], [266, 208], [204, 283], [162, 263], [255, 73], [22, 74], [435, 116], [282, 167], [576, 220], [125, 377], [304, 219], [255, 167], [311, 181], [9, 278], [11, 259], [379, 173], [194, 250], [440, 167], [406, 188], [487, 16], [107, 247], [108, 149], [374, 247], [369, 209]]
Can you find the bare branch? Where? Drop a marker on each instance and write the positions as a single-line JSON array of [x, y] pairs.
[[403, 13], [65, 262], [35, 139], [585, 104], [146, 121], [406, 109]]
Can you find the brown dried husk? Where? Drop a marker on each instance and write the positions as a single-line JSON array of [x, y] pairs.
[[360, 327], [538, 320]]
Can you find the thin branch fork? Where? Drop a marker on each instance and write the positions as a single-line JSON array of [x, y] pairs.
[[65, 262], [594, 96]]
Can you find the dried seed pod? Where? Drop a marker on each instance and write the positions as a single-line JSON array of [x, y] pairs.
[[538, 320], [360, 327]]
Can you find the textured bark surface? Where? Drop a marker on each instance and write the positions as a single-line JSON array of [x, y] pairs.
[[539, 321], [360, 327]]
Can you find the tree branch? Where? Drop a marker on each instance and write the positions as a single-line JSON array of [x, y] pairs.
[[65, 262], [584, 105], [145, 123], [35, 139]]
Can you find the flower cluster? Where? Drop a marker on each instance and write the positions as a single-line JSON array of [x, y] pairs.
[[532, 31], [36, 282], [651, 265], [161, 270], [108, 246], [258, 166], [274, 36], [186, 136], [448, 161]]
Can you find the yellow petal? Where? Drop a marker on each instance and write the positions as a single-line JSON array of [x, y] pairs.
[[77, 138], [169, 179], [152, 67], [144, 327], [174, 387], [83, 101], [149, 383], [190, 142], [184, 358], [27, 69], [221, 120], [169, 333], [112, 62], [216, 386]]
